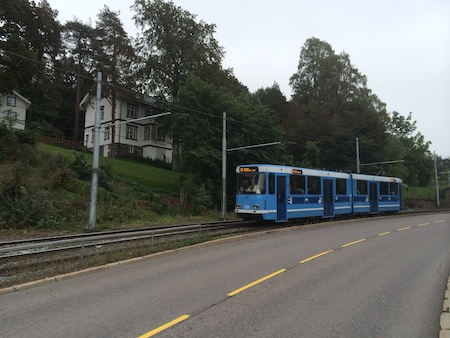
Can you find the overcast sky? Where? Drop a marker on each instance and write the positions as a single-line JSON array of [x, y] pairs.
[[402, 46]]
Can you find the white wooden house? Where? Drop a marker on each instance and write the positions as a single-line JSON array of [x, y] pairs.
[[139, 138], [13, 107]]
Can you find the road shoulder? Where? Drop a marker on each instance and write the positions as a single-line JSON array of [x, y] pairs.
[[445, 316]]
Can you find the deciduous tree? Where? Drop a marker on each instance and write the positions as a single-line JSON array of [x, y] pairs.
[[173, 44]]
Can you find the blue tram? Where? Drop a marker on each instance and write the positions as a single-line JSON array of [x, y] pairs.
[[280, 193]]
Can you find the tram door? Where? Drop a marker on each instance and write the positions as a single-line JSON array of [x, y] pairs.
[[328, 198], [281, 199], [373, 186]]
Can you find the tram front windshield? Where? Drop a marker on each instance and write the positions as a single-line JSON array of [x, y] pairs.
[[251, 183]]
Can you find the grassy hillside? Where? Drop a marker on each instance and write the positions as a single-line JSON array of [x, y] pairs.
[[141, 173], [47, 187]]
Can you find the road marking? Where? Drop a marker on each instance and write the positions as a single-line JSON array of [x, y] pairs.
[[235, 292], [315, 256], [423, 224], [441, 221], [164, 327], [405, 228], [384, 233], [355, 242]]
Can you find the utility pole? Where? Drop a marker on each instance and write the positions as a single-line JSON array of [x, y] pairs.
[[437, 180], [96, 155], [358, 163], [224, 167]]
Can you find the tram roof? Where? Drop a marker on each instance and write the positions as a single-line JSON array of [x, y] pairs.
[[272, 168]]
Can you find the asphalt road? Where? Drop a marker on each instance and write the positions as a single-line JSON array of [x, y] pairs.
[[378, 277]]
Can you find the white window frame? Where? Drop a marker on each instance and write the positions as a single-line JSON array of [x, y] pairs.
[[147, 132], [132, 111], [132, 132], [10, 101], [107, 132]]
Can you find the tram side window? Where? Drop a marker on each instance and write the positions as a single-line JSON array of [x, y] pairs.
[[313, 185], [361, 187], [394, 188], [341, 186], [297, 184], [384, 188], [271, 183]]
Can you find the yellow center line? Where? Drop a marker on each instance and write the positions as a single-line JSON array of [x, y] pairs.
[[351, 243], [315, 256], [441, 221], [165, 326], [405, 228], [384, 233], [423, 224], [235, 292]]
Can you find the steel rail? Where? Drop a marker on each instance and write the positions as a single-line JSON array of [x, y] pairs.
[[16, 248]]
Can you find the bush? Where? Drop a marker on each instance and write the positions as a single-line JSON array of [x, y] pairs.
[[25, 209], [202, 200]]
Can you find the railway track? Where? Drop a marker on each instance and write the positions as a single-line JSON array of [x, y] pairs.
[[31, 259]]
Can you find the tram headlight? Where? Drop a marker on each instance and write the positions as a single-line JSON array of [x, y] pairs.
[[255, 206], [237, 206]]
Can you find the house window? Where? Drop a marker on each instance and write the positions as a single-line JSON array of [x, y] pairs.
[[93, 131], [132, 111], [150, 111], [107, 133], [12, 114], [131, 149], [132, 132], [102, 112], [11, 101], [154, 135], [147, 132], [87, 140]]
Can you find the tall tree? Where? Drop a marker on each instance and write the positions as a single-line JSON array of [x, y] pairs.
[[18, 58], [29, 45], [78, 42], [332, 105], [114, 57], [171, 45]]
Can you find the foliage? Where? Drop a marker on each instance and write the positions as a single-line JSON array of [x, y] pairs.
[[199, 131], [171, 45], [177, 57], [114, 58], [328, 93], [39, 189], [202, 200], [29, 46], [78, 48], [412, 148]]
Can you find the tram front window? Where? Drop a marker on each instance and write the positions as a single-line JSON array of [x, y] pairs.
[[251, 183]]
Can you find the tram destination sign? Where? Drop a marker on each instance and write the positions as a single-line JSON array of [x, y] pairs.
[[248, 169]]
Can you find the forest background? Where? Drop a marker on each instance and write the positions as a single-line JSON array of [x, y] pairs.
[[177, 60]]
